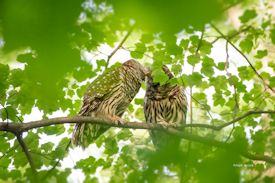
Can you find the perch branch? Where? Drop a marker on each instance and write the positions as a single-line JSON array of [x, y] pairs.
[[18, 128]]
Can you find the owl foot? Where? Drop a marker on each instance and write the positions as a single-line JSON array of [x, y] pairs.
[[175, 125], [164, 124], [118, 120], [168, 125]]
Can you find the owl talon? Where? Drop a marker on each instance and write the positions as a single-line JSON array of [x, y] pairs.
[[120, 122], [175, 125], [164, 124], [168, 125], [117, 120]]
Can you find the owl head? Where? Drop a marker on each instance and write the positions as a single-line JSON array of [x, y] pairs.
[[137, 67]]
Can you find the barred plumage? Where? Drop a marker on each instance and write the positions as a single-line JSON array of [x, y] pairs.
[[108, 96], [166, 105]]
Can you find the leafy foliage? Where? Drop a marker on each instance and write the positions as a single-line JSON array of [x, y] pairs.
[[44, 67]]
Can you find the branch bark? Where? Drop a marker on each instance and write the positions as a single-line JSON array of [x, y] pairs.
[[19, 128]]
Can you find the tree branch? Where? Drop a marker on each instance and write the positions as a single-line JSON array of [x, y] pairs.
[[245, 57], [18, 128], [27, 153], [119, 46]]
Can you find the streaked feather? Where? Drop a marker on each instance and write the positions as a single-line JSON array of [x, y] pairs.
[[164, 104]]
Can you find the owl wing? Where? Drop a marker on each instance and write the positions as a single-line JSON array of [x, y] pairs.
[[85, 133], [99, 89]]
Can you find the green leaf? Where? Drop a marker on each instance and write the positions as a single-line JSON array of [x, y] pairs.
[[140, 113], [146, 38], [4, 72], [124, 134], [195, 40], [219, 82], [138, 53], [205, 47], [265, 75], [111, 146], [25, 58], [47, 147], [54, 130], [17, 77], [272, 35], [176, 68], [246, 45], [261, 53], [201, 97], [207, 66], [89, 179], [193, 59], [221, 66], [174, 49], [272, 65], [258, 65], [245, 73], [8, 112], [101, 63], [184, 43], [248, 15], [60, 151], [159, 77], [240, 138], [139, 101], [218, 99], [259, 141], [87, 165], [272, 81], [192, 80]]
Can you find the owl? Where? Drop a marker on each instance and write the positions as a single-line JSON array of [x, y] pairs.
[[165, 105], [107, 97]]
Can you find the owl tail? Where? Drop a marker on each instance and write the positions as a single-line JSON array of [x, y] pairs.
[[86, 134]]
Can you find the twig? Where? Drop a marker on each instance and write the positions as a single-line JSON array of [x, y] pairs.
[[119, 46], [42, 155], [10, 150], [229, 75], [245, 57], [191, 88], [229, 123], [191, 96], [230, 134], [27, 153], [7, 113], [229, 37], [232, 5], [209, 141]]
